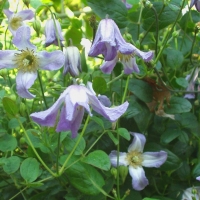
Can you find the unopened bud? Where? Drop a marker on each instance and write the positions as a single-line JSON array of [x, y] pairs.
[[123, 171], [22, 108], [175, 34], [114, 172], [3, 73], [127, 37], [148, 4], [37, 26]]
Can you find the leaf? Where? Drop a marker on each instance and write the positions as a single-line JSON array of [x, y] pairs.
[[7, 143], [115, 9], [124, 133], [99, 85], [141, 90], [182, 82], [29, 169], [169, 135], [11, 164], [98, 159], [178, 105], [113, 138], [10, 106], [35, 3], [13, 123], [98, 121]]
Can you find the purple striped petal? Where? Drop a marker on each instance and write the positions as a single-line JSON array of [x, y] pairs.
[[51, 60], [154, 159], [24, 81], [22, 38], [108, 66], [146, 56], [122, 158], [139, 180], [130, 66], [7, 59], [138, 143]]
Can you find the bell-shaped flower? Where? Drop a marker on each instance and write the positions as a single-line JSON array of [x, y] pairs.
[[198, 178], [128, 6], [27, 60], [72, 61], [128, 61], [191, 193], [196, 3], [51, 29], [15, 20], [108, 41], [191, 78], [136, 160], [73, 102]]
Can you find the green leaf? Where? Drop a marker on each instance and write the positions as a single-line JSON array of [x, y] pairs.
[[99, 85], [11, 164], [165, 18], [29, 169], [124, 133], [113, 138], [115, 9], [196, 170], [141, 89], [98, 159], [170, 134], [10, 106], [98, 121], [184, 171], [35, 3], [13, 123], [7, 143], [182, 82], [178, 105]]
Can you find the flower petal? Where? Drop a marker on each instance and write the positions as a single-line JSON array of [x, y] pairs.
[[189, 194], [122, 158], [24, 81], [139, 180], [108, 66], [8, 13], [130, 66], [198, 178], [154, 159], [138, 143], [22, 38], [104, 100], [51, 60], [197, 5], [146, 56], [7, 59], [25, 14]]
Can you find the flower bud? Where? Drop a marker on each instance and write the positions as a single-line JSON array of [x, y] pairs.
[[22, 108], [123, 171], [127, 37], [37, 26], [114, 172]]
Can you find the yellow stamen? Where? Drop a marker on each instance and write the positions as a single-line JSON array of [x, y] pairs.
[[125, 57], [134, 158], [15, 23]]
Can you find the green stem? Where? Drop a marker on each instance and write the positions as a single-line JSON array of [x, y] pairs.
[[126, 88], [139, 19], [33, 148], [18, 193], [75, 146], [58, 152], [116, 78], [42, 90]]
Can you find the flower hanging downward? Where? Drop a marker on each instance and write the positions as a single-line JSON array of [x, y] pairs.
[[76, 99], [128, 6], [28, 61], [135, 159], [15, 20], [196, 3]]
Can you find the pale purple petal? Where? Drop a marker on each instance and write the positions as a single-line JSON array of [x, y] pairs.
[[189, 194], [90, 88], [198, 178], [104, 100], [189, 96], [24, 80], [146, 56], [25, 14], [192, 2], [112, 114], [139, 180], [7, 59], [154, 159], [122, 158], [48, 117], [128, 6], [138, 143], [108, 66], [22, 38], [130, 66], [197, 5], [51, 60], [8, 13]]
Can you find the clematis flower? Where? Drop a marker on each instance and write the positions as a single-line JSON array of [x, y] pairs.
[[72, 61], [28, 61], [135, 159], [128, 6], [196, 3], [15, 20], [109, 41], [198, 178], [50, 32], [128, 61], [191, 193], [74, 100], [191, 78]]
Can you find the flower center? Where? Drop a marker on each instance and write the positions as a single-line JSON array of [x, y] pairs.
[[26, 61], [124, 57], [134, 158], [15, 23]]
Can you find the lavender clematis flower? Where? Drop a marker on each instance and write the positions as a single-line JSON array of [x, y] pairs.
[[191, 193], [28, 61], [15, 20], [196, 3], [76, 99], [108, 41], [198, 178], [50, 33], [191, 80], [128, 6], [72, 61], [135, 159], [128, 61]]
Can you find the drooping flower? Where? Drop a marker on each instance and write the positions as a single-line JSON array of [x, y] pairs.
[[72, 61], [191, 78], [15, 20], [191, 193], [128, 61], [109, 41], [196, 3], [135, 159], [198, 178], [50, 32], [28, 61], [128, 6], [76, 99]]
